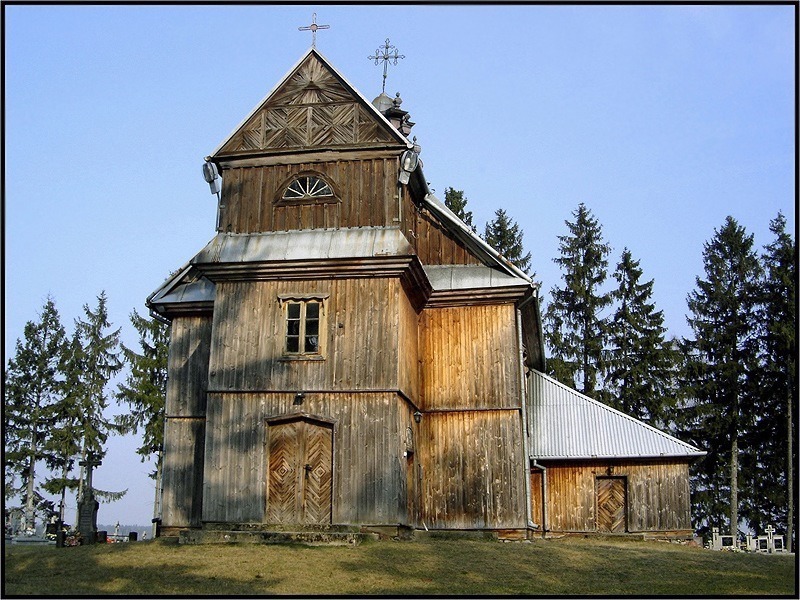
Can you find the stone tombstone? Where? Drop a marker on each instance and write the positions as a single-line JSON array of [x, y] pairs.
[[87, 518], [87, 505]]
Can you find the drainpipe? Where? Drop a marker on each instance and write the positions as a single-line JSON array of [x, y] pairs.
[[544, 495]]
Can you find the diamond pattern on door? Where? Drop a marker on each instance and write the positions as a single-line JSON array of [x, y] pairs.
[[300, 473], [611, 509]]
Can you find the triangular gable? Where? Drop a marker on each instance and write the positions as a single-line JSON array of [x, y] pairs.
[[565, 424], [312, 106]]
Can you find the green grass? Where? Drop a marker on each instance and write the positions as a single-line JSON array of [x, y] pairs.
[[424, 567]]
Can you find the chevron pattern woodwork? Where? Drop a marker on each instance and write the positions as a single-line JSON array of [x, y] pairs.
[[317, 488], [300, 473], [611, 504], [311, 109]]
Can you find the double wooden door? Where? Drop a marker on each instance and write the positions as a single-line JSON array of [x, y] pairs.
[[299, 485], [611, 504]]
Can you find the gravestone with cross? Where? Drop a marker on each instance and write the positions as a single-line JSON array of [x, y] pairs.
[[88, 505]]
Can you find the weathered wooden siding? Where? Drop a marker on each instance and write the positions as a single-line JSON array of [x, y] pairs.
[[184, 429], [432, 243], [189, 349], [537, 507], [360, 325], [182, 484], [473, 474], [657, 494], [367, 192], [408, 348], [369, 467], [470, 357]]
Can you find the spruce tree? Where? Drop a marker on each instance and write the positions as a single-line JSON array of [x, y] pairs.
[[101, 362], [145, 391], [770, 494], [31, 390], [505, 236], [640, 363], [575, 328], [64, 443], [721, 363], [455, 201]]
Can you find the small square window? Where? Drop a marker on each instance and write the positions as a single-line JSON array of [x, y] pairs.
[[303, 327]]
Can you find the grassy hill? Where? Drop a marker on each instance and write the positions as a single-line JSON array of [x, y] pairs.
[[424, 567]]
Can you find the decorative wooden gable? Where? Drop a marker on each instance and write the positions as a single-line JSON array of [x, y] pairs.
[[312, 107]]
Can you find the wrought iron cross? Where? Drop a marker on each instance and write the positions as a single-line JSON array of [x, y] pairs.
[[386, 53], [313, 29]]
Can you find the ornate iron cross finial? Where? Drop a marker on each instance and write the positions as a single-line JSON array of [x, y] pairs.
[[313, 29], [386, 53]]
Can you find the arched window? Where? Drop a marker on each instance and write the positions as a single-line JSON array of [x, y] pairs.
[[306, 188]]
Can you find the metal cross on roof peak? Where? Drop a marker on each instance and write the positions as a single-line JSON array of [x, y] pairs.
[[386, 53], [313, 29]]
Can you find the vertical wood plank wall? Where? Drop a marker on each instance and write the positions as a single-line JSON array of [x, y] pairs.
[[470, 357], [657, 494], [185, 420], [408, 367], [367, 191], [472, 470], [369, 439], [360, 348]]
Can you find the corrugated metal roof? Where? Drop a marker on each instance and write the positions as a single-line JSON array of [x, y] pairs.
[[465, 277], [565, 424], [312, 244]]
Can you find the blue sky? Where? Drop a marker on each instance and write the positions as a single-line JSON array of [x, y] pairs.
[[663, 120]]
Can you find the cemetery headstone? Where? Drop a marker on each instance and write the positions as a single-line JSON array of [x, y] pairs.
[[88, 505]]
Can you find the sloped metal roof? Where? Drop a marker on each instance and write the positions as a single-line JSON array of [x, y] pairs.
[[565, 424], [465, 277], [310, 244], [184, 288]]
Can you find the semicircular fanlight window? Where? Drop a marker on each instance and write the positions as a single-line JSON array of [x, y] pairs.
[[307, 187]]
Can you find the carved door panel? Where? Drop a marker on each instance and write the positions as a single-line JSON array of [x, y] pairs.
[[611, 504], [300, 473]]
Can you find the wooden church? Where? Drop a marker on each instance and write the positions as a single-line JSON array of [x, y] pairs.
[[346, 352]]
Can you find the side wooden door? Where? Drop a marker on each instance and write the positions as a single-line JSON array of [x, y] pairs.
[[299, 484], [611, 504]]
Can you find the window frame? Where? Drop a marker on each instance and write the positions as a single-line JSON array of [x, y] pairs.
[[303, 301], [282, 200]]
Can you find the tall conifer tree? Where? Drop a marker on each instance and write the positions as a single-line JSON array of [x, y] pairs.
[[31, 390], [770, 493], [504, 235], [64, 443], [575, 328], [722, 360], [640, 363], [101, 362]]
